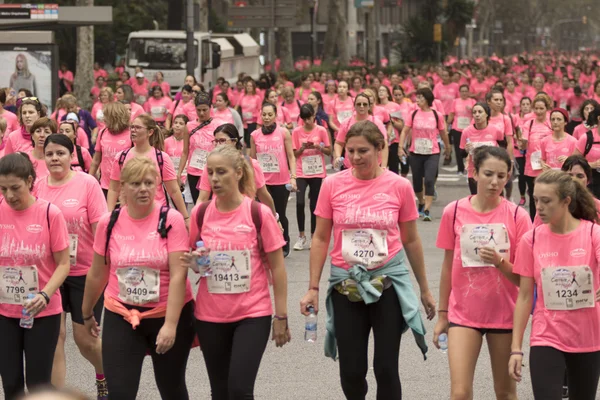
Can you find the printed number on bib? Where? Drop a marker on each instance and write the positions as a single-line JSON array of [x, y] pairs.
[[423, 146], [231, 272], [536, 160], [463, 122], [312, 165], [568, 288], [268, 162], [138, 285], [73, 242], [344, 115], [198, 160], [16, 283], [367, 247], [473, 237]]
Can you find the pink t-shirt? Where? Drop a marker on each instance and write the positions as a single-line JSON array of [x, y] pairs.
[[447, 94], [534, 133], [15, 141], [136, 111], [41, 170], [375, 205], [488, 136], [158, 108], [272, 156], [68, 76], [477, 290], [561, 97], [82, 138], [328, 102], [201, 143], [259, 177], [187, 109], [342, 110], [87, 160], [174, 148], [515, 99], [98, 115], [552, 149], [293, 110], [479, 88], [26, 241], [311, 163], [572, 331], [594, 154], [580, 130], [12, 123], [392, 108], [141, 91], [463, 113], [235, 231], [302, 94], [110, 145], [250, 108], [503, 123], [82, 203], [574, 104], [167, 174], [225, 116], [136, 243], [425, 131]]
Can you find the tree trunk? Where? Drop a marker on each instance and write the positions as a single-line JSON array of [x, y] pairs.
[[342, 38], [84, 77], [332, 32], [284, 37]]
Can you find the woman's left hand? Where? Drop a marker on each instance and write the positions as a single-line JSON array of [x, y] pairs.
[[294, 185], [429, 303], [166, 338], [281, 332], [36, 305], [489, 256]]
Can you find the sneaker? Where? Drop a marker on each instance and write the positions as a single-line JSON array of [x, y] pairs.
[[421, 208], [522, 202], [565, 392], [300, 244], [102, 389], [426, 216]]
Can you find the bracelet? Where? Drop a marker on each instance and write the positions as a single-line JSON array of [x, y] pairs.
[[186, 218], [516, 353], [293, 177], [88, 318], [500, 263], [45, 296], [442, 311], [315, 288], [280, 317]]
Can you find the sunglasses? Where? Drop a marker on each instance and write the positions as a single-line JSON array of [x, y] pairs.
[[31, 98], [362, 104]]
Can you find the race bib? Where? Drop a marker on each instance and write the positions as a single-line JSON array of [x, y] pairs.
[[423, 146], [100, 116], [568, 288], [176, 161], [536, 160], [247, 116], [231, 272], [198, 159], [16, 283], [463, 122], [312, 165], [475, 236], [138, 285], [344, 115], [268, 162], [367, 247], [73, 241], [157, 112]]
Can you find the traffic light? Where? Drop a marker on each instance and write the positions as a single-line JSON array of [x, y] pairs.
[[584, 20]]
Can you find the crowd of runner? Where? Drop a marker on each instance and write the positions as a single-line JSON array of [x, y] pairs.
[[104, 212]]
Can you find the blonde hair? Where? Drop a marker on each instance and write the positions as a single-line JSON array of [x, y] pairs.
[[116, 117], [237, 160], [109, 92], [135, 170], [157, 139], [25, 69], [3, 125], [68, 100]]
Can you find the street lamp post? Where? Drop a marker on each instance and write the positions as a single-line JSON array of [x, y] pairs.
[[312, 4]]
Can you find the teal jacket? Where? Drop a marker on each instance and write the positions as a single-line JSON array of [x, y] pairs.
[[396, 270]]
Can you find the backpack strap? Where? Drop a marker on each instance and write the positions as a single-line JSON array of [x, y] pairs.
[[588, 143], [114, 216], [533, 239], [200, 217], [80, 161], [162, 227], [413, 117], [161, 162], [455, 210], [437, 120], [516, 211], [48, 215], [123, 156]]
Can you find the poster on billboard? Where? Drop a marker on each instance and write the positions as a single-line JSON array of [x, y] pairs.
[[30, 67]]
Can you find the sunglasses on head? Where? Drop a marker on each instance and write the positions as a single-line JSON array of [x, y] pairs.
[[31, 98]]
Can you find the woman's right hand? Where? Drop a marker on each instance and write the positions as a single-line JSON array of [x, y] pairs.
[[92, 327], [311, 298], [441, 326], [401, 152], [514, 367], [188, 261]]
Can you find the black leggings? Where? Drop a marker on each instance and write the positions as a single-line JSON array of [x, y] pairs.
[[232, 354], [522, 183], [460, 162], [424, 167], [124, 349], [530, 180], [353, 323], [280, 197], [247, 132], [38, 344], [393, 159], [193, 180], [314, 185], [472, 186], [548, 365]]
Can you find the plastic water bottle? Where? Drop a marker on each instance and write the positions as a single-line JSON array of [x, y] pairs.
[[26, 321], [203, 261], [443, 342], [322, 144], [403, 160], [337, 164], [310, 326], [289, 187]]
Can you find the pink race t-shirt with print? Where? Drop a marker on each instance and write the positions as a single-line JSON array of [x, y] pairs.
[[488, 136], [82, 203], [98, 115], [158, 108], [425, 131], [311, 163], [26, 241], [234, 231], [594, 154], [167, 173], [463, 113], [110, 145], [342, 110], [534, 132], [575, 330], [186, 109], [250, 108], [224, 116], [477, 289], [503, 123], [174, 148], [18, 140], [366, 209], [259, 177], [552, 150], [272, 156], [446, 94], [201, 143], [135, 243]]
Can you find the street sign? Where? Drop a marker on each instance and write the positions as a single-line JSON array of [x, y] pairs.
[[437, 33], [29, 11], [261, 16]]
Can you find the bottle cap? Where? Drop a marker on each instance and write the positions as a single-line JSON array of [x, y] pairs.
[[310, 309]]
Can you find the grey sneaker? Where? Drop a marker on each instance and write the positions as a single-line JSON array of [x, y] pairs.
[[301, 244]]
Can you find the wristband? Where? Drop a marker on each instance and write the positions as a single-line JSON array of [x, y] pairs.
[[315, 288], [45, 296], [280, 317], [516, 353], [88, 318]]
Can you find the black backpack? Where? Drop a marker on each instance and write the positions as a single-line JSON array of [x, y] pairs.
[[589, 142], [80, 161]]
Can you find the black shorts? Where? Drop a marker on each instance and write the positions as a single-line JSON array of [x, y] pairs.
[[71, 292], [483, 331]]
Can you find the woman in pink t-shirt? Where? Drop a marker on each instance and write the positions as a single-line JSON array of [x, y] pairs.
[[560, 145], [125, 94], [80, 199], [372, 215], [148, 298], [249, 107], [106, 96], [560, 258], [385, 101], [111, 140], [586, 108], [460, 113], [291, 104], [480, 234], [227, 114], [158, 105], [182, 105], [311, 144], [34, 260], [342, 107], [283, 115], [227, 134], [233, 305], [81, 160], [28, 112], [272, 147], [591, 150], [174, 144], [41, 129]]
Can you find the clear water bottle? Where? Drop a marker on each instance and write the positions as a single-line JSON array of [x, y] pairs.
[[337, 164], [289, 187], [203, 260], [443, 342], [26, 321], [310, 326], [322, 144], [403, 160]]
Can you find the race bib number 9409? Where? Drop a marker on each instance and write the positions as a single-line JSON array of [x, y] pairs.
[[16, 283], [139, 285]]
